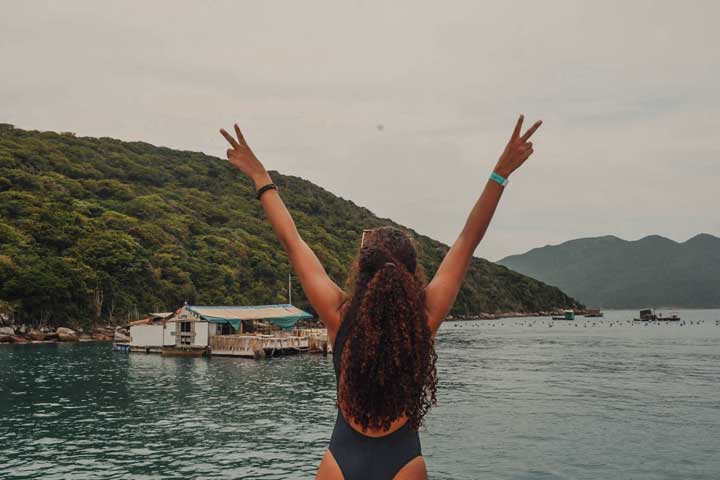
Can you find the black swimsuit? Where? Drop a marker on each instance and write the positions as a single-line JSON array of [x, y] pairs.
[[359, 456]]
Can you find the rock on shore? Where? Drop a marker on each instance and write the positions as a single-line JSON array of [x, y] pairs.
[[67, 335], [27, 334], [36, 335]]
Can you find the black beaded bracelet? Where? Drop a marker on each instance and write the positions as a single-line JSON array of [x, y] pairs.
[[264, 189]]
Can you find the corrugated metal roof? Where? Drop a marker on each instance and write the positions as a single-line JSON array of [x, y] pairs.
[[249, 312], [143, 321]]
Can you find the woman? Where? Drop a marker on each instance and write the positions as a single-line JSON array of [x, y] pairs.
[[383, 331]]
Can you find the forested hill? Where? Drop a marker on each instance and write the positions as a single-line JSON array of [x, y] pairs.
[[98, 228], [610, 272]]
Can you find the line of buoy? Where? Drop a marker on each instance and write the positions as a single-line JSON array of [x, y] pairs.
[[610, 324]]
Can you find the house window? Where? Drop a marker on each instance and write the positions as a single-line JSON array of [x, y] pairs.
[[185, 327]]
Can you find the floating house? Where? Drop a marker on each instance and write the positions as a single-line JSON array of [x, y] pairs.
[[245, 331]]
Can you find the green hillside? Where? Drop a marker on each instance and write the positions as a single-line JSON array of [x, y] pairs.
[[614, 273], [97, 228]]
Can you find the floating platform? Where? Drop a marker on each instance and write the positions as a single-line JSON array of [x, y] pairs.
[[184, 351], [257, 346], [143, 349], [317, 339], [658, 319], [649, 315]]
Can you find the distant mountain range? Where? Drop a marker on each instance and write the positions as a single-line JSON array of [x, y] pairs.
[[614, 273]]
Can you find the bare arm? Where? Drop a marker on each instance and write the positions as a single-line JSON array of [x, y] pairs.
[[442, 290], [324, 295]]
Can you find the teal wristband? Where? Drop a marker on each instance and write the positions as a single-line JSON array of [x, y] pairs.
[[499, 178]]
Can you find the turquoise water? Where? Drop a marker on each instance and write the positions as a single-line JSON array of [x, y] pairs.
[[519, 399]]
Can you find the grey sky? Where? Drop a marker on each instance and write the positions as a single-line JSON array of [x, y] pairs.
[[629, 93]]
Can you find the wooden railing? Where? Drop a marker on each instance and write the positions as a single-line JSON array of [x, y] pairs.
[[235, 343], [250, 345]]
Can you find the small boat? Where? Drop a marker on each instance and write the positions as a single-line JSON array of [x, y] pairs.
[[648, 315], [593, 312], [184, 351], [121, 347], [567, 315], [121, 342]]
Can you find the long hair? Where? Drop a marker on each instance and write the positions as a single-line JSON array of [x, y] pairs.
[[388, 361]]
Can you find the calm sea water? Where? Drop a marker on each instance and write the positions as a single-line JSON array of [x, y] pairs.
[[519, 399]]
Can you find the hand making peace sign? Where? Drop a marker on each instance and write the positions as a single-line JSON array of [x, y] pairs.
[[240, 155], [517, 150]]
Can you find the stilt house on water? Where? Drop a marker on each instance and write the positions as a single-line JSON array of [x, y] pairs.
[[245, 331]]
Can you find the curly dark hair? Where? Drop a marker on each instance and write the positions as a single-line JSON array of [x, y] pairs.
[[388, 362]]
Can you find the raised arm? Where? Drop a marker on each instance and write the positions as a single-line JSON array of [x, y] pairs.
[[442, 290], [324, 295]]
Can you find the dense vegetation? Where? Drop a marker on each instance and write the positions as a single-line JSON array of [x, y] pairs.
[[611, 272], [100, 229]]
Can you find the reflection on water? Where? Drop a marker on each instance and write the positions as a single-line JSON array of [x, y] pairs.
[[519, 398]]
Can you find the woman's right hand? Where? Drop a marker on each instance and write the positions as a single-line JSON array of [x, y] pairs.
[[517, 150]]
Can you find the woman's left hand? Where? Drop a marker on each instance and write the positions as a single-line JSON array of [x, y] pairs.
[[241, 156]]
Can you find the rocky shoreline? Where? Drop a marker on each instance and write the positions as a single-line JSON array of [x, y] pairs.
[[10, 333], [26, 334]]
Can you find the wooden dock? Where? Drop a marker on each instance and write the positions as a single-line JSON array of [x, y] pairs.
[[135, 349], [299, 340], [184, 351], [317, 340]]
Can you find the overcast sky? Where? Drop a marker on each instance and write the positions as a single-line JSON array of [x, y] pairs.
[[629, 93]]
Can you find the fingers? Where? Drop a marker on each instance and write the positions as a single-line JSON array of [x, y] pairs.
[[532, 129], [239, 134], [518, 127], [229, 138], [524, 151], [229, 152]]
